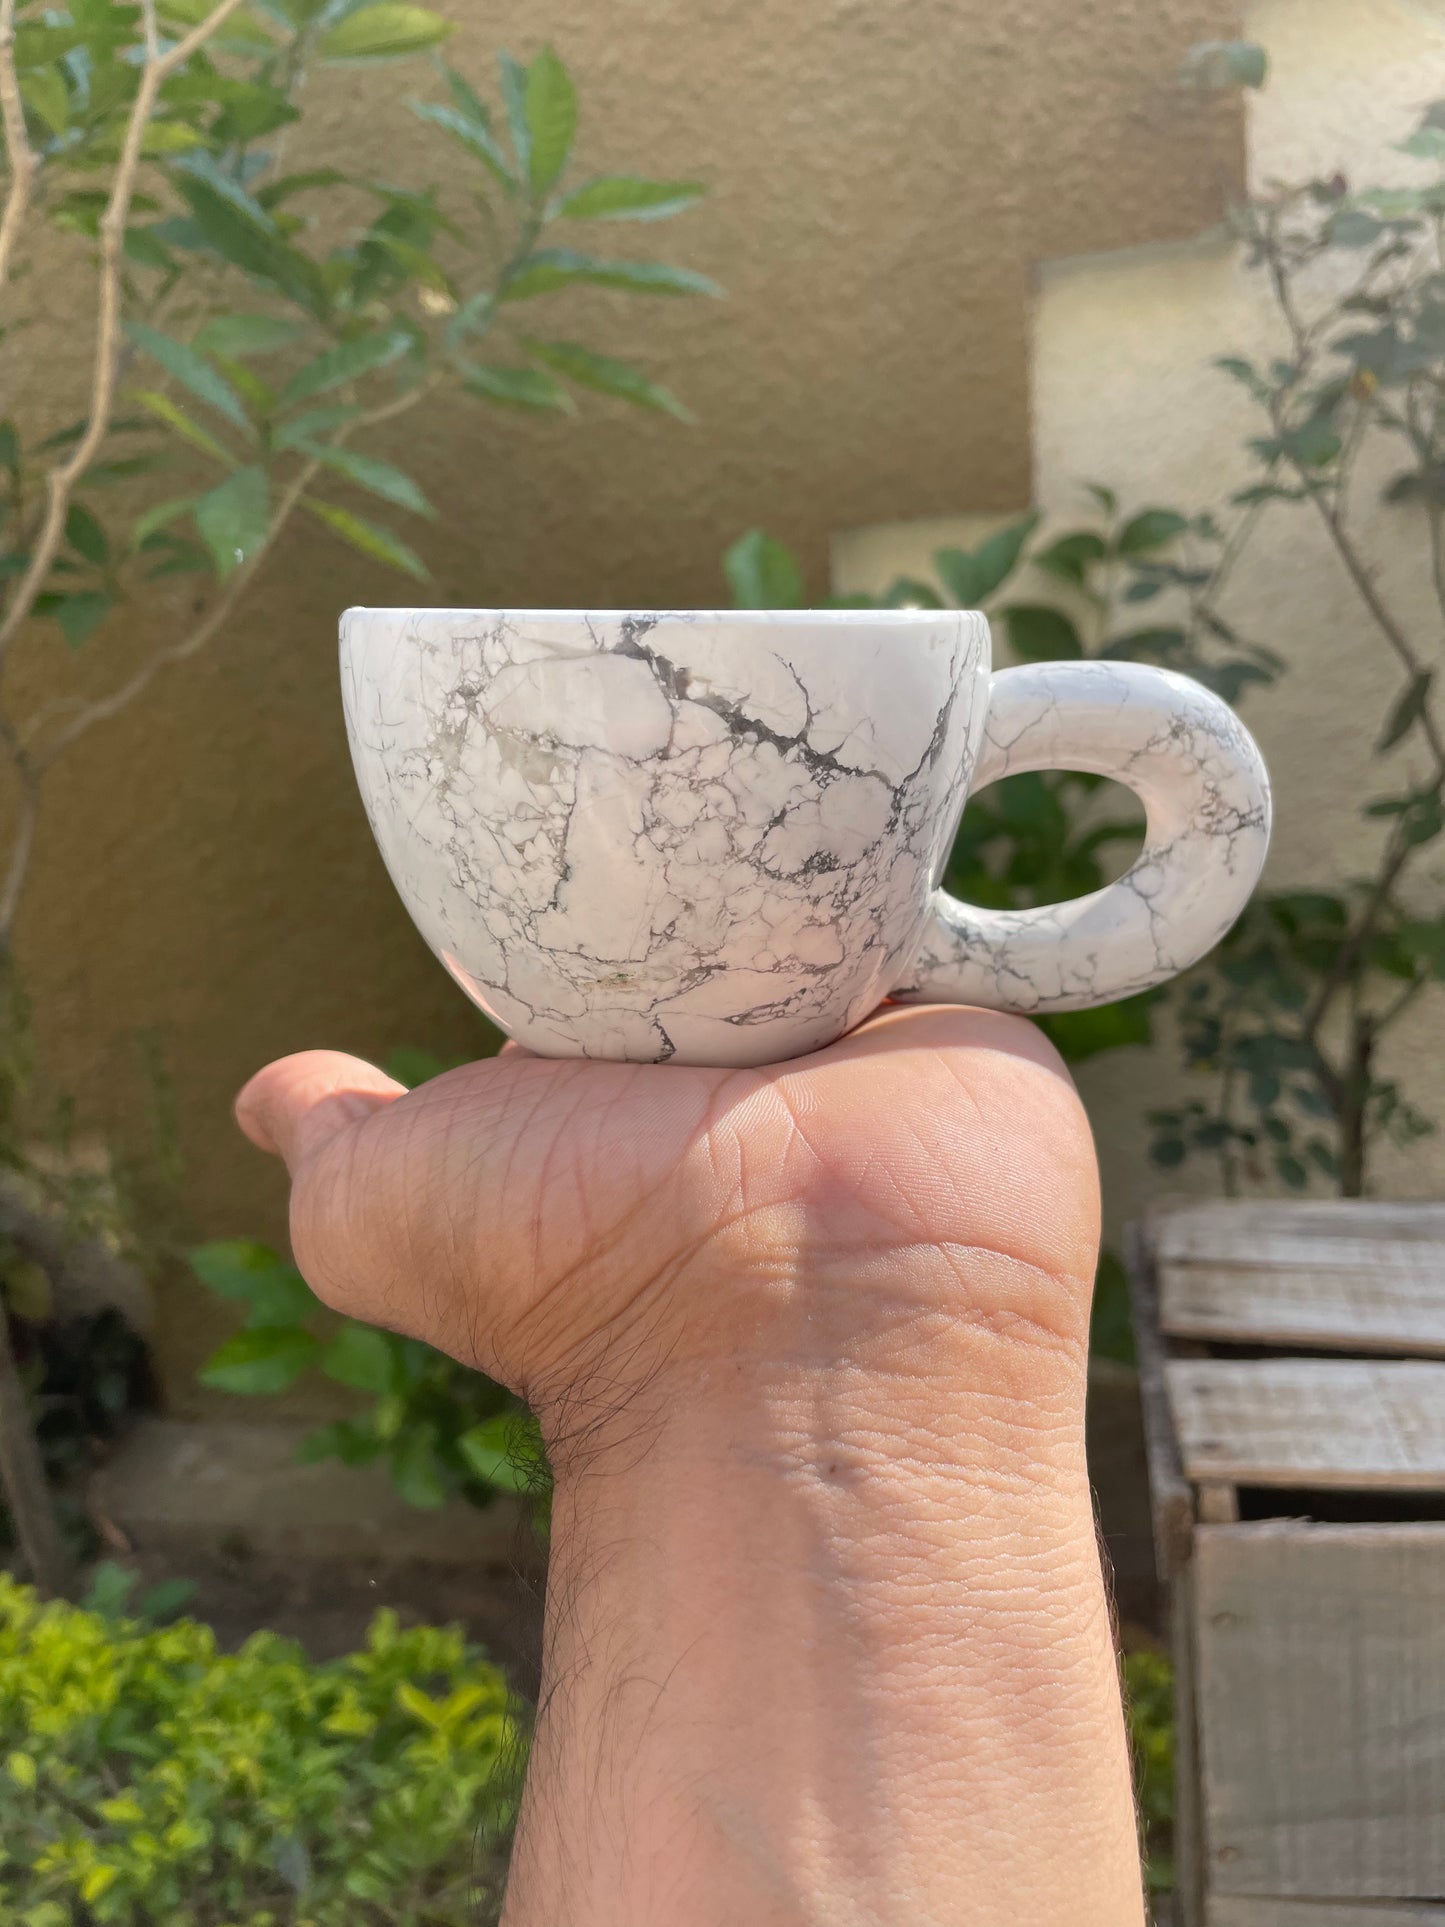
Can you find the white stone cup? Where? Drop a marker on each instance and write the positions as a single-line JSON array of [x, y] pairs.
[[716, 837]]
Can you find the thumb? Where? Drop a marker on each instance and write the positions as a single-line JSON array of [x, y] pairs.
[[298, 1104]]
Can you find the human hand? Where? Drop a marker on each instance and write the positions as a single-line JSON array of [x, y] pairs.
[[544, 1219], [827, 1640]]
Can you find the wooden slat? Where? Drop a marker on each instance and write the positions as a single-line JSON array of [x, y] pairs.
[[1171, 1502], [1389, 1298], [1321, 1706], [1246, 1229], [1345, 1423], [1230, 1911], [1337, 1274]]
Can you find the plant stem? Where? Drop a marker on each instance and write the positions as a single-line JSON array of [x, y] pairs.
[[24, 163], [105, 370]]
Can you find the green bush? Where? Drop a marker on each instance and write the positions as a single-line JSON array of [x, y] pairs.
[[1149, 1702], [147, 1777]]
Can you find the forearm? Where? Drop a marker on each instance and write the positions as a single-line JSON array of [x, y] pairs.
[[828, 1642]]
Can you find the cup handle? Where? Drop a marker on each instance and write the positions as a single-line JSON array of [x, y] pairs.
[[1205, 791]]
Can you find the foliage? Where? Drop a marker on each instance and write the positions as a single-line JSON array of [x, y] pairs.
[[253, 331], [149, 1777], [1289, 1016], [441, 1431], [1149, 1706], [257, 327]]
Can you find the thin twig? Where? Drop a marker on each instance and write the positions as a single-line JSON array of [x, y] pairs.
[[104, 707], [24, 162], [62, 479]]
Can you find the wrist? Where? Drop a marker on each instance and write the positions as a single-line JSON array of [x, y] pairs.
[[836, 1605]]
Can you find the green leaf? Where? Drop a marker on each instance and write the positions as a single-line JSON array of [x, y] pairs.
[[233, 518], [274, 193], [241, 231], [158, 516], [627, 197], [163, 1602], [347, 361], [79, 615], [1037, 633], [1314, 444], [517, 387], [415, 1471], [1078, 1034], [191, 370], [907, 592], [372, 473], [1072, 556], [513, 79], [313, 423], [1221, 64], [171, 137], [608, 376], [273, 1291], [37, 46], [410, 1065], [1151, 529], [86, 536], [366, 536], [476, 136], [268, 1359], [1409, 709], [180, 422], [384, 32], [972, 575], [552, 268], [762, 573], [550, 105], [363, 1358], [46, 95], [1111, 1332], [1425, 144], [493, 1455], [239, 335]]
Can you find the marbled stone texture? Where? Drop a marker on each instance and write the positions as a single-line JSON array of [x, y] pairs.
[[1206, 797], [704, 836]]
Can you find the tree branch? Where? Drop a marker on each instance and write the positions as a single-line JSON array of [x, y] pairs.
[[62, 479], [24, 163], [104, 707]]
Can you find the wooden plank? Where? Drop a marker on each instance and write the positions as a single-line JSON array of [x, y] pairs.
[[1321, 1706], [1341, 1423], [1384, 1298], [1171, 1501], [1228, 1911], [1245, 1230], [1329, 1273]]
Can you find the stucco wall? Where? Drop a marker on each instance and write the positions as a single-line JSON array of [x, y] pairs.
[[885, 176], [1124, 393]]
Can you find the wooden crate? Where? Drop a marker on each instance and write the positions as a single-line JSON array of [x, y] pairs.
[[1292, 1369]]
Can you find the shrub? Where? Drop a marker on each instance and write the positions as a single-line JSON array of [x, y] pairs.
[[148, 1777], [1149, 1703]]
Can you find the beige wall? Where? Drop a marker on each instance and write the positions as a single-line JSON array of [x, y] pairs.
[[1120, 349], [885, 177]]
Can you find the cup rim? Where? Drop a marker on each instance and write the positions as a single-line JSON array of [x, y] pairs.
[[893, 618]]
